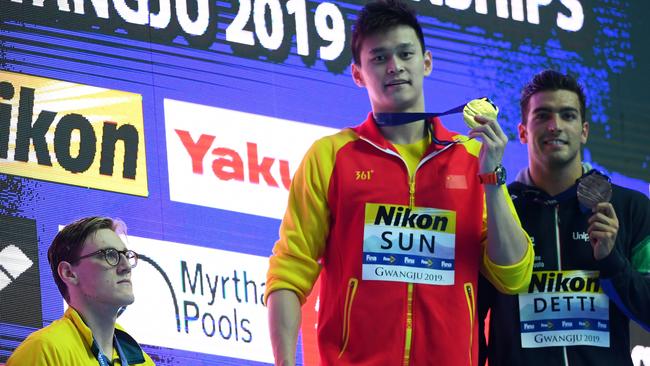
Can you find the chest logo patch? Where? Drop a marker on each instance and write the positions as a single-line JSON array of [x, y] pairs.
[[409, 244], [564, 308]]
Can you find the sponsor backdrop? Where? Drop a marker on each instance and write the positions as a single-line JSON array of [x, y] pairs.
[[188, 118]]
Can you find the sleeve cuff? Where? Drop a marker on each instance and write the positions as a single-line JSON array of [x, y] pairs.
[[510, 279], [612, 265], [284, 286]]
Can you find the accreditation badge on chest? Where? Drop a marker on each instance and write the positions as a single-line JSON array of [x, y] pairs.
[[409, 244], [564, 308]]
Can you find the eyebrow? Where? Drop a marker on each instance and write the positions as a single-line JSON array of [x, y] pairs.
[[106, 248], [382, 49], [549, 109]]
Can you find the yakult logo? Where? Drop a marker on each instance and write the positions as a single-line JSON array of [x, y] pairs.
[[228, 164], [233, 160]]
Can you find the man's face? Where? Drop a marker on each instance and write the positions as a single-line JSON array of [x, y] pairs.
[[99, 282], [392, 68], [554, 130]]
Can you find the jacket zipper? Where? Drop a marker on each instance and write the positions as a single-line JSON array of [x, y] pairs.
[[469, 295], [558, 248], [408, 333], [558, 245], [347, 310]]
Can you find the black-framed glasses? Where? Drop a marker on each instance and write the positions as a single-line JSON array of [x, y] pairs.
[[113, 256]]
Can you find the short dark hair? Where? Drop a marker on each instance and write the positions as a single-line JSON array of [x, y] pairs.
[[380, 16], [68, 243], [551, 80]]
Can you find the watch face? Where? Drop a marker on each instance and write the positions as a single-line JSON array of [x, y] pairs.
[[500, 172]]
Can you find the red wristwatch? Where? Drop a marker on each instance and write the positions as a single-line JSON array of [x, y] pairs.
[[497, 177]]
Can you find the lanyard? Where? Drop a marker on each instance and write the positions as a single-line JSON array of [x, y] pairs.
[[105, 361], [396, 119]]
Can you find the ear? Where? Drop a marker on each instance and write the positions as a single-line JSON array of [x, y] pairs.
[[357, 76], [428, 63], [67, 273], [585, 132], [523, 133]]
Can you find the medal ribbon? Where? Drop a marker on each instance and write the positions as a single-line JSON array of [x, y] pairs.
[[397, 119]]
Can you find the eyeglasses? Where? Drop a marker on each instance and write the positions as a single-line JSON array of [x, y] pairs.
[[113, 256]]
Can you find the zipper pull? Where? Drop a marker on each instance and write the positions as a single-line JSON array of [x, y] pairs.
[[412, 193]]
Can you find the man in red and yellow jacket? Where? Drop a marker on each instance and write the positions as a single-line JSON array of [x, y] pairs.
[[397, 219]]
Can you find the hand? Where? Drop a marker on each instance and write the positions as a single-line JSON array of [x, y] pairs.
[[494, 143], [603, 227]]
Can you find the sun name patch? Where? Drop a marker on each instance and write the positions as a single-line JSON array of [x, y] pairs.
[[564, 308], [409, 244]]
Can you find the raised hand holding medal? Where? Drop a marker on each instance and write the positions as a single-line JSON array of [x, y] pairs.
[[479, 107], [594, 193], [481, 116]]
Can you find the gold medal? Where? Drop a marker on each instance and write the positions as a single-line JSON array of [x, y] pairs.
[[479, 107]]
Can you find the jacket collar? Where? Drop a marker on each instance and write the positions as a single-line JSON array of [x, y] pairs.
[[523, 176], [370, 131], [524, 183], [131, 349]]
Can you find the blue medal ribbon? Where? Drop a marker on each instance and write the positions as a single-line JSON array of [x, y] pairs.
[[397, 119], [103, 359]]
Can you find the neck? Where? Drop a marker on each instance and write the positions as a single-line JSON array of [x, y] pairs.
[[554, 180], [102, 324], [405, 134]]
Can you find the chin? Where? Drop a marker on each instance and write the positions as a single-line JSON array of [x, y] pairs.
[[559, 161], [126, 300]]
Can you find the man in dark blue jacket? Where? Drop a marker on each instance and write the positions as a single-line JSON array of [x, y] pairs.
[[592, 261]]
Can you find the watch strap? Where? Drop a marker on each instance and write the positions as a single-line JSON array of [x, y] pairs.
[[488, 178], [496, 177]]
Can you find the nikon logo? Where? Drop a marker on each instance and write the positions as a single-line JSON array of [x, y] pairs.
[[71, 133], [575, 281], [400, 216]]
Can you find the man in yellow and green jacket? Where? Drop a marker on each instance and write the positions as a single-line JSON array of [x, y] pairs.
[[92, 269]]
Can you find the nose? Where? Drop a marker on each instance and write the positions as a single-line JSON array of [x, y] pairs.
[[554, 123], [123, 265], [395, 65]]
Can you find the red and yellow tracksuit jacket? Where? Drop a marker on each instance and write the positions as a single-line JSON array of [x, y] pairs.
[[364, 321]]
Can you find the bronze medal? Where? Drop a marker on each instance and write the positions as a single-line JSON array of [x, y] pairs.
[[593, 189]]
